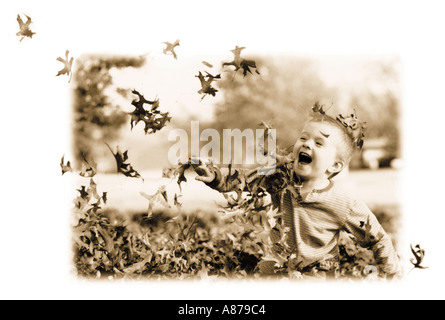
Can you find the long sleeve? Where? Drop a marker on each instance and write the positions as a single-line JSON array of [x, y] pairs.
[[364, 226], [235, 180], [254, 180]]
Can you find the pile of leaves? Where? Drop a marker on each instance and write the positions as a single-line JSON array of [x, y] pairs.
[[181, 247], [245, 239], [189, 246]]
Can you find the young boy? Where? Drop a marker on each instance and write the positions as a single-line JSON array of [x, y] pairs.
[[318, 210]]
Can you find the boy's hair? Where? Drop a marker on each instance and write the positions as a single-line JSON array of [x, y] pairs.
[[352, 131], [346, 149]]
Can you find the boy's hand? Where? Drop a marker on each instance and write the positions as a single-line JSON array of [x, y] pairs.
[[205, 173]]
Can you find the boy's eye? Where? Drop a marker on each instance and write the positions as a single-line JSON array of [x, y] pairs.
[[303, 139], [319, 144]]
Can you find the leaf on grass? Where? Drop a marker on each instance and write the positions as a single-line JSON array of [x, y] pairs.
[[139, 266], [203, 274], [67, 65], [170, 47], [65, 167], [25, 30], [153, 119], [123, 167], [109, 244]]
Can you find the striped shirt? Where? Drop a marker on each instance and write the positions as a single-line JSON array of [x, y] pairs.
[[316, 220]]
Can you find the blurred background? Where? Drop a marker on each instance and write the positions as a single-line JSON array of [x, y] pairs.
[[281, 95]]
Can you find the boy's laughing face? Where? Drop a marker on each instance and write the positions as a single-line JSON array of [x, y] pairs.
[[315, 153]]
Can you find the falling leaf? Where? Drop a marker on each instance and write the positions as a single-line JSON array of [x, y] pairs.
[[104, 197], [154, 119], [203, 274], [236, 62], [318, 108], [419, 254], [122, 166], [240, 63], [92, 189], [80, 203], [247, 64], [25, 31], [87, 171], [94, 207], [176, 202], [207, 64], [65, 167], [181, 173], [160, 197], [68, 65], [89, 168], [83, 193], [177, 171], [206, 87], [170, 47]]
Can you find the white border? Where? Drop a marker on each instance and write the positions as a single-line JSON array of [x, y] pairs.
[[35, 124]]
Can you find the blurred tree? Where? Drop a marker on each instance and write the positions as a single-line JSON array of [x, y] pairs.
[[281, 95], [95, 118], [378, 103]]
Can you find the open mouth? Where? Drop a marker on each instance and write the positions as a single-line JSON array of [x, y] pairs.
[[304, 158]]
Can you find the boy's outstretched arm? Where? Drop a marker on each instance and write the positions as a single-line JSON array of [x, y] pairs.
[[222, 180], [237, 179], [363, 224]]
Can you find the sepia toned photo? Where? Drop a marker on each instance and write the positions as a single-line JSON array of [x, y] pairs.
[[197, 167], [221, 151]]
